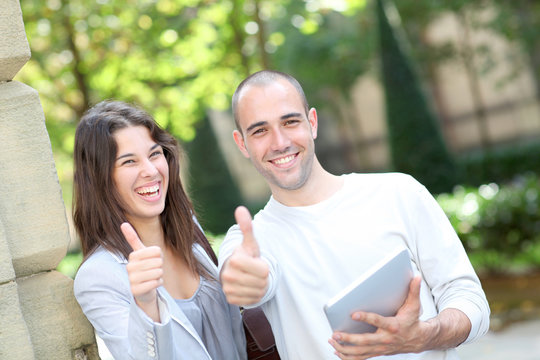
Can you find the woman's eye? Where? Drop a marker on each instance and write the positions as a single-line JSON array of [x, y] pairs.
[[156, 153], [126, 162]]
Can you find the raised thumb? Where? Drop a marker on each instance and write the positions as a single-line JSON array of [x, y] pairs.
[[131, 236], [243, 219]]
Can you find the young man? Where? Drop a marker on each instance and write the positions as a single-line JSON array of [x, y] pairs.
[[319, 232]]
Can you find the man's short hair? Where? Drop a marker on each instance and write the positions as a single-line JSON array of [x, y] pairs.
[[262, 78]]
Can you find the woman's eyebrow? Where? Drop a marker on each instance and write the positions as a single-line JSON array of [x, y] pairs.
[[124, 156], [131, 154]]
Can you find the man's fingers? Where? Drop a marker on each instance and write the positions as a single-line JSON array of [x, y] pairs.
[[131, 236], [413, 298], [243, 219], [243, 263], [244, 278]]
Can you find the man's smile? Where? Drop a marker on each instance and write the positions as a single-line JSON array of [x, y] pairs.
[[285, 160]]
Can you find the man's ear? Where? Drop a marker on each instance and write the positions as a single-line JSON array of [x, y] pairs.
[[313, 122], [239, 140]]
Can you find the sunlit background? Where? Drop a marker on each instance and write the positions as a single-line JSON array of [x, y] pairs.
[[472, 70]]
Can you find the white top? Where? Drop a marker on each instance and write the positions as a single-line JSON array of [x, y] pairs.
[[315, 251]]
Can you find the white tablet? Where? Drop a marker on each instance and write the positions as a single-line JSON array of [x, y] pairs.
[[382, 290]]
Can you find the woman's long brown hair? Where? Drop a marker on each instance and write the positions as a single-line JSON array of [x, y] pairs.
[[97, 209]]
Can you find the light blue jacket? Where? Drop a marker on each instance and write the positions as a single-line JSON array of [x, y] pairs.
[[102, 289]]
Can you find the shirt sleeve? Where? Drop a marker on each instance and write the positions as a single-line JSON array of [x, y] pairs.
[[126, 330], [443, 262]]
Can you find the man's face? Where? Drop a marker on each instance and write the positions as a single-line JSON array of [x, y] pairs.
[[276, 134]]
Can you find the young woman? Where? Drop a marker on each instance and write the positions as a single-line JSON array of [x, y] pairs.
[[147, 284]]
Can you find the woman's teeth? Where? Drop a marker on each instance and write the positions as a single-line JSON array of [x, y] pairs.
[[152, 190]]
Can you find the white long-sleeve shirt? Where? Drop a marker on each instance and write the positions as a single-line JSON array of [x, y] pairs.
[[315, 251]]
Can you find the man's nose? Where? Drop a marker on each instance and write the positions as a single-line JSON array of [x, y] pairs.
[[280, 140]]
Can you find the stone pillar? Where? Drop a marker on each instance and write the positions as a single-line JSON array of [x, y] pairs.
[[40, 316]]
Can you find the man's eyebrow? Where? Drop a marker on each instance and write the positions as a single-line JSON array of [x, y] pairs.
[[131, 154], [254, 125], [290, 115]]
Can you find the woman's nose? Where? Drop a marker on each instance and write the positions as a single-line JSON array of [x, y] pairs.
[[148, 168]]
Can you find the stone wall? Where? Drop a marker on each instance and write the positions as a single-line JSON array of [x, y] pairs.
[[40, 318]]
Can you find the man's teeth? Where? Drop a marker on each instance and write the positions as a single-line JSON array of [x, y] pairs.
[[148, 190], [284, 160]]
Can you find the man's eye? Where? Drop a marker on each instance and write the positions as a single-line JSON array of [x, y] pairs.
[[258, 131], [291, 122]]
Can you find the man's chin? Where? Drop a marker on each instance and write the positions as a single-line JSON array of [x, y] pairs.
[[289, 185]]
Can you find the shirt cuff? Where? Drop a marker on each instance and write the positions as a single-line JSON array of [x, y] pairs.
[[473, 313]]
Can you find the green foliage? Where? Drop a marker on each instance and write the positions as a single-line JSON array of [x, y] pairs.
[[499, 225], [70, 264], [341, 44], [416, 144], [173, 57], [500, 164], [214, 193]]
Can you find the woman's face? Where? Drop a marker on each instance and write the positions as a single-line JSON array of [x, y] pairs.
[[140, 174]]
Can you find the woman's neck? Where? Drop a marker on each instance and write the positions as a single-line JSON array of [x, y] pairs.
[[150, 232]]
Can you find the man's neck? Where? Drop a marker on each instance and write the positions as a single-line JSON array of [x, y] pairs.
[[320, 186]]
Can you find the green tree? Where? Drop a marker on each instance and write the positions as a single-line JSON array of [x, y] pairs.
[[416, 145], [210, 183], [176, 58]]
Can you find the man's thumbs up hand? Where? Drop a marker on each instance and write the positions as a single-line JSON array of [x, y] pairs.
[[245, 275]]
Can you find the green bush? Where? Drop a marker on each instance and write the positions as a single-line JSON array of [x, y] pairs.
[[499, 225], [500, 164]]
